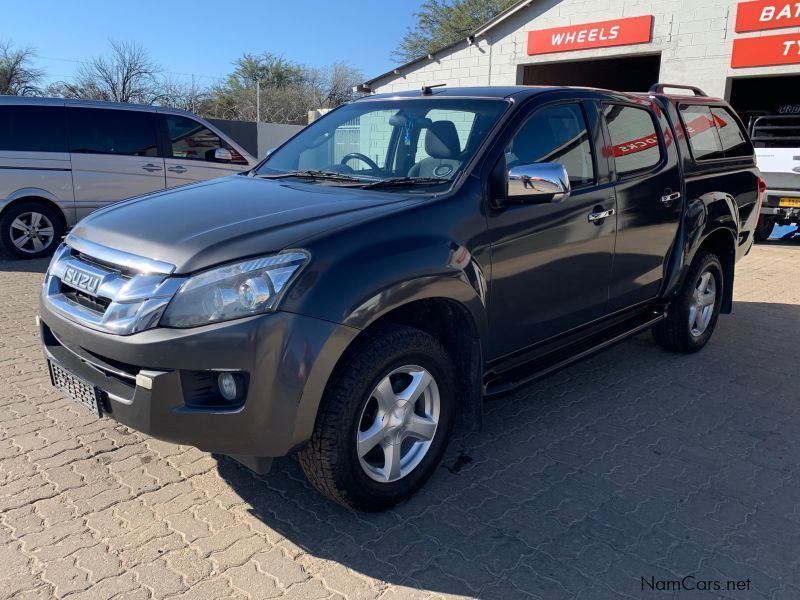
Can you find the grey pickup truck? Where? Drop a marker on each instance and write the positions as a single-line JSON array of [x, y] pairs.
[[360, 292]]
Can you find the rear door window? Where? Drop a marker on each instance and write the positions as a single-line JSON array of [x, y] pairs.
[[33, 129], [734, 141], [191, 140], [701, 131], [636, 146], [112, 131]]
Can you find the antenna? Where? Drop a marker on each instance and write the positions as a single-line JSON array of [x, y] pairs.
[[427, 90]]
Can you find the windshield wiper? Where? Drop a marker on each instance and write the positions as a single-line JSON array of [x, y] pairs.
[[406, 182], [314, 175]]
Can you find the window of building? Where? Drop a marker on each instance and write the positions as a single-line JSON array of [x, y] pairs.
[[634, 138]]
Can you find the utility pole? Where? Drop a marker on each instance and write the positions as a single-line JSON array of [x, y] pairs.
[[258, 100]]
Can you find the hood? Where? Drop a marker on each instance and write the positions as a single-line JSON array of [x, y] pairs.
[[218, 221]]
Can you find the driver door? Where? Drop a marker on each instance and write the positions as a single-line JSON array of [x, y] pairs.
[[551, 265]]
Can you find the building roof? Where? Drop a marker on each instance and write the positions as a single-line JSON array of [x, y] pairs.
[[368, 85]]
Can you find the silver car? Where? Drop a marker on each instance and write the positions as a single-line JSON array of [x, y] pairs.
[[62, 159]]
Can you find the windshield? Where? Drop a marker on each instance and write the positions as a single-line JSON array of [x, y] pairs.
[[422, 143]]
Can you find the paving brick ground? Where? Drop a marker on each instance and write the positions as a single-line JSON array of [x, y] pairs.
[[635, 463]]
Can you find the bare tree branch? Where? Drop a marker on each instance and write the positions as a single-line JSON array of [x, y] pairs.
[[127, 75], [17, 76]]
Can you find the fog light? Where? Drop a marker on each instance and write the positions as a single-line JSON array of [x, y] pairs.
[[227, 386]]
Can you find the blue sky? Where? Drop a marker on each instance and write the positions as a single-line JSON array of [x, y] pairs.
[[204, 37]]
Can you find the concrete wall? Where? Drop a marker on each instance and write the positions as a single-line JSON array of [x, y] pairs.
[[694, 39], [272, 135], [256, 138]]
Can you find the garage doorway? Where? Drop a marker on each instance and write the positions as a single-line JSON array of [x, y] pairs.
[[757, 96], [623, 74]]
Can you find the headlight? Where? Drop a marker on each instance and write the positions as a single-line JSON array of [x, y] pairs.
[[234, 291]]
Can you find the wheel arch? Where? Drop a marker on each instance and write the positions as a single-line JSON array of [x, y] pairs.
[[35, 197], [722, 243], [455, 327]]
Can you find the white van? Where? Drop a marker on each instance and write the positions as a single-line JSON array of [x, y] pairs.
[[777, 142], [62, 159]]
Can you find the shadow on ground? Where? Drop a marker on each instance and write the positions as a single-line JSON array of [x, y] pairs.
[[12, 265], [635, 463]]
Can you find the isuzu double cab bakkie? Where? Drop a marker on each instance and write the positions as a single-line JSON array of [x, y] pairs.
[[366, 286]]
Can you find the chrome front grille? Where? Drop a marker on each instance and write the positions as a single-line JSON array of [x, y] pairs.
[[106, 289]]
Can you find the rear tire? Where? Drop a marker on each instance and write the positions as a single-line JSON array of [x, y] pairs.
[[764, 228], [371, 449], [31, 230], [693, 315]]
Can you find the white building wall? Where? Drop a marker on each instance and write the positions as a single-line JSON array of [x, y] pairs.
[[694, 38]]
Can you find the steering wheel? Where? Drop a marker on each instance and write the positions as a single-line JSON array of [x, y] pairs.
[[363, 158]]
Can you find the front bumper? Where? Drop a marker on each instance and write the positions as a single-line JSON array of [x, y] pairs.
[[288, 359]]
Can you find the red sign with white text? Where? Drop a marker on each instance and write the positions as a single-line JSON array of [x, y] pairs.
[[767, 14], [770, 50], [619, 32]]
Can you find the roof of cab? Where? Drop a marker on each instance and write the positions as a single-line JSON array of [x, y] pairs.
[[469, 92]]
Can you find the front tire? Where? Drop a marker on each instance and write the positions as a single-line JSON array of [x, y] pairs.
[[692, 316], [384, 421], [31, 230], [764, 228]]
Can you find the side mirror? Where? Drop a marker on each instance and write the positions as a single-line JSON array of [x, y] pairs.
[[223, 154], [537, 183]]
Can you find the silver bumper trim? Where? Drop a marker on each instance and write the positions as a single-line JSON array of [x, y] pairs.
[[140, 264]]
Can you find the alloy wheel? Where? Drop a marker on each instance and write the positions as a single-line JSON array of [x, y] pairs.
[[32, 232], [398, 424], [701, 308]]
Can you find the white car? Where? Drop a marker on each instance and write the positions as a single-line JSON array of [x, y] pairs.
[[777, 142], [62, 159]]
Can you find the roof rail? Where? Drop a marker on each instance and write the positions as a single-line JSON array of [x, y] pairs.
[[658, 88]]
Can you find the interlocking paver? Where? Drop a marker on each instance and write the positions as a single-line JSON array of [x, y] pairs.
[[635, 463]]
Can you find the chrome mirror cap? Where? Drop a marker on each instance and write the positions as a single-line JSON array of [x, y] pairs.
[[223, 154], [536, 180]]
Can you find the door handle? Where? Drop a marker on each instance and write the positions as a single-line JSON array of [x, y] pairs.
[[150, 167], [669, 197], [178, 169], [599, 215]]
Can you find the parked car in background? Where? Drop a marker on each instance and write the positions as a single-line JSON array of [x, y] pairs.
[[394, 263], [62, 159], [777, 142]]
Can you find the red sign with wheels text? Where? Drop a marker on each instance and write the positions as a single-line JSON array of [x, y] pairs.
[[767, 14], [766, 51], [619, 32]]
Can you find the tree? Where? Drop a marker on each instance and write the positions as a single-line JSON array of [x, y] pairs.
[[287, 90], [128, 75], [17, 76], [444, 22]]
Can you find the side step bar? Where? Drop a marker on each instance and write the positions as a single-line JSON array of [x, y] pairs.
[[508, 381]]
